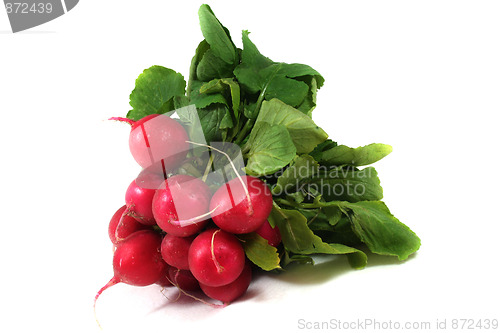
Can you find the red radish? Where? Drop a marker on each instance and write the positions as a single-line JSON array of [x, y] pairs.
[[164, 281], [233, 290], [174, 250], [216, 257], [241, 208], [272, 235], [122, 225], [152, 177], [180, 206], [137, 261], [140, 199], [183, 279], [156, 138]]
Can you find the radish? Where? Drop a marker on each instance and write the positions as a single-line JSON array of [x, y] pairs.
[[180, 206], [122, 225], [241, 205], [183, 279], [233, 290], [152, 177], [174, 250], [216, 257], [139, 199], [164, 281], [272, 235], [156, 138], [137, 261]]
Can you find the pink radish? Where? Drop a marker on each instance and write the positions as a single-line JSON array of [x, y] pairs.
[[139, 199], [137, 261], [174, 250], [156, 138], [231, 291], [241, 205], [180, 206], [216, 258], [165, 281], [122, 225]]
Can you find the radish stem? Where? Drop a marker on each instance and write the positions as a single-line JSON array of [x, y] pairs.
[[233, 167]]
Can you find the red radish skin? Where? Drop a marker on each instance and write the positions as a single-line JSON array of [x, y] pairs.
[[164, 281], [139, 199], [272, 235], [122, 225], [180, 206], [137, 261], [183, 279], [238, 212], [216, 257], [174, 250], [151, 177], [156, 138], [233, 290]]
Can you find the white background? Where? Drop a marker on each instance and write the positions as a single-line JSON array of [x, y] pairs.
[[423, 76]]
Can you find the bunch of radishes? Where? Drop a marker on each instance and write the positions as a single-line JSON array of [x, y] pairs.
[[173, 230]]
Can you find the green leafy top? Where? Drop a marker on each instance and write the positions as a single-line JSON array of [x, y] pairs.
[[324, 203], [217, 36], [154, 91]]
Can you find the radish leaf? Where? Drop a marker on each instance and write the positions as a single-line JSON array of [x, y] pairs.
[[299, 239], [305, 134], [269, 149], [260, 252], [153, 88], [355, 156], [384, 234]]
